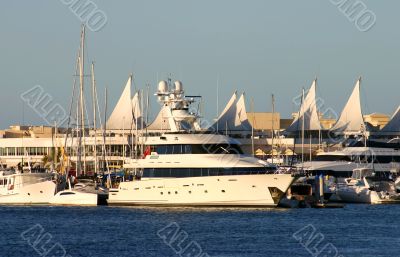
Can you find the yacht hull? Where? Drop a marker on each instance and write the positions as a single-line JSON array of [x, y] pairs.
[[38, 193], [352, 195], [241, 190]]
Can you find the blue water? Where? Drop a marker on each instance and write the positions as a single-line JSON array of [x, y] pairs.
[[356, 230]]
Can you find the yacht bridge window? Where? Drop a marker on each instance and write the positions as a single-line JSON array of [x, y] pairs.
[[197, 149]]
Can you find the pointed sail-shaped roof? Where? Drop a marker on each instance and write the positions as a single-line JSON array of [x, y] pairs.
[[241, 120], [394, 124], [351, 119], [137, 112], [233, 117], [163, 120], [122, 117], [308, 113], [226, 114]]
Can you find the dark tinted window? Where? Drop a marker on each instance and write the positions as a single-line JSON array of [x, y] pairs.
[[332, 158], [198, 172]]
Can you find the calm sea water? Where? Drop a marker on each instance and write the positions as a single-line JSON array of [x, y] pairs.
[[356, 230]]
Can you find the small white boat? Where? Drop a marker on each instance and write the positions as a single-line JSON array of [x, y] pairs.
[[73, 197], [70, 197], [368, 186], [89, 186]]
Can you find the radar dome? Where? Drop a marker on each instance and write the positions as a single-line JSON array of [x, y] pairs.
[[162, 86], [178, 86]]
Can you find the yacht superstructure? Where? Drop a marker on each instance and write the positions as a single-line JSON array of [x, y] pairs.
[[341, 163], [185, 167]]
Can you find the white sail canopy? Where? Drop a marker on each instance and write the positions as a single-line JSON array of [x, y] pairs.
[[308, 114], [233, 117], [241, 120], [137, 112], [394, 124], [163, 119], [126, 110], [226, 114], [351, 119]]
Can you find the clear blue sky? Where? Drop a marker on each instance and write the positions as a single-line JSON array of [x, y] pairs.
[[258, 46]]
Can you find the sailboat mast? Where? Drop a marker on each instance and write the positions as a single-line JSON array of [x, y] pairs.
[[252, 127], [136, 134], [82, 102], [217, 102], [105, 129], [272, 128], [310, 148], [147, 106], [141, 121], [79, 147], [94, 118], [81, 118], [302, 129]]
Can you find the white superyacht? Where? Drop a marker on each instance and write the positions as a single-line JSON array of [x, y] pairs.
[[184, 167]]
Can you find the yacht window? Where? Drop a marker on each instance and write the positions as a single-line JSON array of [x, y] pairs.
[[188, 149], [198, 172], [198, 149], [333, 158], [177, 149], [67, 193]]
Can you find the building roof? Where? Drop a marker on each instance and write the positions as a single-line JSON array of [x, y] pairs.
[[351, 118], [308, 114]]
